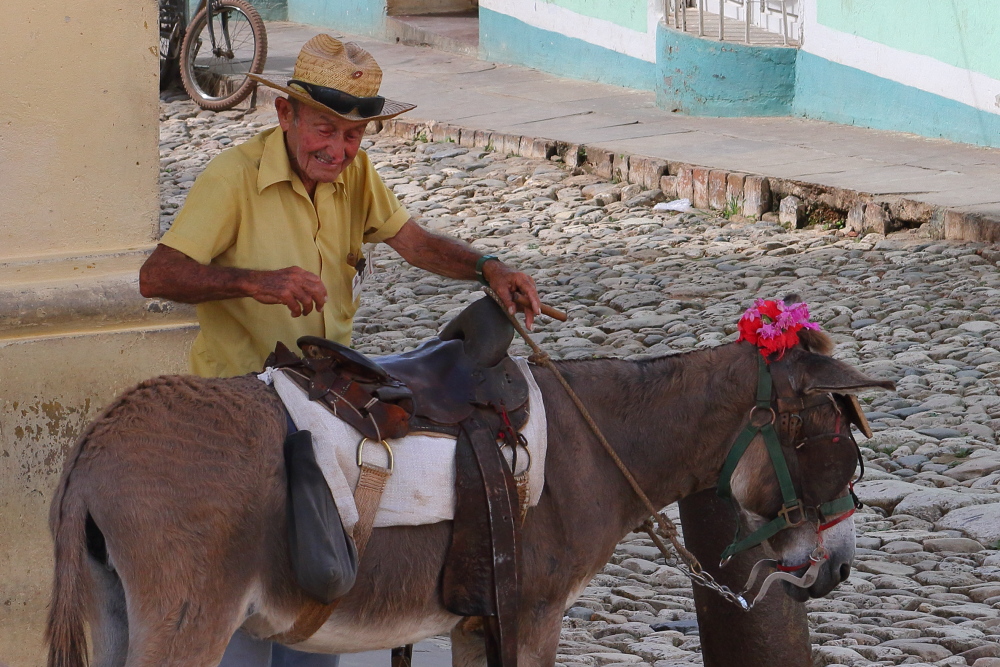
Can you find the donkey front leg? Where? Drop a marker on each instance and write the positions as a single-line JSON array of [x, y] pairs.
[[539, 635], [468, 643], [538, 641]]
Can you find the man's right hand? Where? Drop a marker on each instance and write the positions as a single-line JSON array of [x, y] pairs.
[[297, 288], [170, 274]]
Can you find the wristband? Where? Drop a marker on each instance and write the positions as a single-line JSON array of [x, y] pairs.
[[479, 268]]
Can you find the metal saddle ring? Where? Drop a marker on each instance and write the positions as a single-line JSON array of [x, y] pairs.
[[523, 444]]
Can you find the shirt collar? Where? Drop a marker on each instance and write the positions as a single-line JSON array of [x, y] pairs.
[[275, 166]]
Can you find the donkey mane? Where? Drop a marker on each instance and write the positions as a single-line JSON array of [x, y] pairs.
[[643, 384]]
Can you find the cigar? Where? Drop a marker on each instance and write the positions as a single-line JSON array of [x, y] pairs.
[[555, 314]]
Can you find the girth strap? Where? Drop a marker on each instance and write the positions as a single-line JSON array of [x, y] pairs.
[[504, 513], [483, 579], [368, 494]]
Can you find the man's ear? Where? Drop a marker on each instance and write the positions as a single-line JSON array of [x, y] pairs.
[[286, 113]]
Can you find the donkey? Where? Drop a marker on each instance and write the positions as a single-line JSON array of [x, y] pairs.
[[170, 528]]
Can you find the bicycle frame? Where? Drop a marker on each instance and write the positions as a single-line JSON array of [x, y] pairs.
[[172, 21], [209, 6], [216, 80]]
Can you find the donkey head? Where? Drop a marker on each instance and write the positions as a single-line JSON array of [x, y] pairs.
[[793, 481]]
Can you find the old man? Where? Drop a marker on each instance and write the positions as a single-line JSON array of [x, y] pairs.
[[269, 242]]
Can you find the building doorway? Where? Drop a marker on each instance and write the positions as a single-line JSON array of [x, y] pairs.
[[449, 25]]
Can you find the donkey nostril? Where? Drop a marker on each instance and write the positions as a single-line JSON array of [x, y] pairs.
[[845, 572]]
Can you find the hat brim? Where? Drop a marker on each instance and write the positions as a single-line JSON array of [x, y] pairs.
[[391, 109]]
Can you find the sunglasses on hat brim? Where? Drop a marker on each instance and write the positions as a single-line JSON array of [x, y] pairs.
[[341, 102]]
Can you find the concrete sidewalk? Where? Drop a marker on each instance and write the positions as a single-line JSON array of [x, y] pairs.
[[918, 179]]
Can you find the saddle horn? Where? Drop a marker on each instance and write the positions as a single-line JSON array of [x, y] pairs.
[[484, 330]]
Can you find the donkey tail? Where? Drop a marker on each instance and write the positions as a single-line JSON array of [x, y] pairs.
[[70, 591]]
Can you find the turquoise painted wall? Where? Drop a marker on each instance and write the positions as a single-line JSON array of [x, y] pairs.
[[269, 10], [963, 33], [707, 78], [704, 77], [364, 17], [506, 39], [829, 91], [630, 14], [272, 10]]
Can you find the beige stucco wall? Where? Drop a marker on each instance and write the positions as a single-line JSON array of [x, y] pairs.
[[52, 387], [78, 209], [78, 117]]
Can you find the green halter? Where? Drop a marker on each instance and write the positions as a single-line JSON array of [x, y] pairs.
[[790, 503]]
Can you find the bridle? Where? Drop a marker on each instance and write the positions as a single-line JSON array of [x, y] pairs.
[[777, 404]]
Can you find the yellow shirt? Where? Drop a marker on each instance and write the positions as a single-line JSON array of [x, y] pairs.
[[248, 209]]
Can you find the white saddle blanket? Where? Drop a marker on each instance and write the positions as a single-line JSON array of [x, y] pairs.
[[422, 487]]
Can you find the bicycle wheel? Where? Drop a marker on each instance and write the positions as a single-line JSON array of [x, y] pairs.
[[171, 34], [216, 79]]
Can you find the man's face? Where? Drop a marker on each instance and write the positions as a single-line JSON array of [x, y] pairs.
[[320, 145]]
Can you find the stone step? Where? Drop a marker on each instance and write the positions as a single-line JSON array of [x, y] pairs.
[[455, 33]]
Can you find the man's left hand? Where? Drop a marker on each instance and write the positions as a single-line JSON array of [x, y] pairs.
[[510, 284]]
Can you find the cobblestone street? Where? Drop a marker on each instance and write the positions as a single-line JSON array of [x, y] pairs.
[[636, 283]]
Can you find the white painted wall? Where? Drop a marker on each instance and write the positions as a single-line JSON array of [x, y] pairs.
[[547, 16]]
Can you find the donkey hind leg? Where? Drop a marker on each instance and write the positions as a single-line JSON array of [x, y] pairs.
[[180, 628], [162, 643], [108, 616]]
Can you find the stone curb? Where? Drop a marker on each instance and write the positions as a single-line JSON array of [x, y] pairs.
[[716, 189]]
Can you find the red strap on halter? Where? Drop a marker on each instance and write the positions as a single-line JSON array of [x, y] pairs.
[[790, 568], [831, 524], [819, 530]]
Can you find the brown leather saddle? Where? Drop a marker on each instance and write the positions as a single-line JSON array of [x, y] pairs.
[[432, 388], [464, 384]]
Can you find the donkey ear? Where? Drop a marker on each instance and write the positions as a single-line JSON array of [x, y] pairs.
[[812, 340], [824, 374], [855, 415]]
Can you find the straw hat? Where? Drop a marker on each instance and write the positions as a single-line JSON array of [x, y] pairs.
[[345, 67]]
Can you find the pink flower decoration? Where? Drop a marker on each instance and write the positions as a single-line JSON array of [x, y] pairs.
[[773, 326]]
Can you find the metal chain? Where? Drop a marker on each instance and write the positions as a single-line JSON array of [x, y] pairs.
[[708, 581], [695, 573]]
